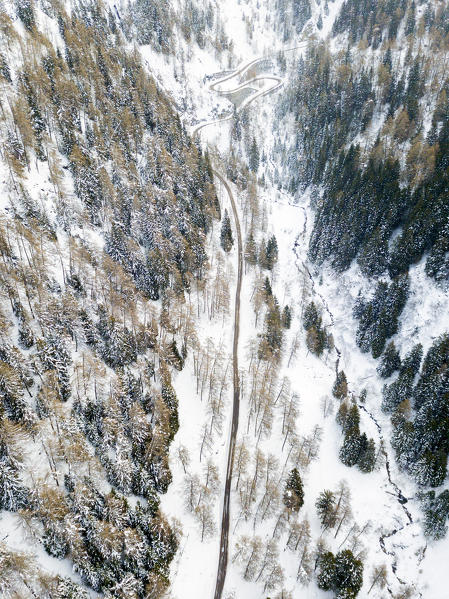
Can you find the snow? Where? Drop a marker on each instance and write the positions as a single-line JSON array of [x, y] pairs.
[[372, 496], [14, 536], [194, 569]]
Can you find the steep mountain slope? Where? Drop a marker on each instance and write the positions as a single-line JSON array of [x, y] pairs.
[[328, 124], [106, 207], [371, 114]]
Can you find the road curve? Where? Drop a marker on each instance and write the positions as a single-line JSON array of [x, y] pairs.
[[225, 521], [277, 83]]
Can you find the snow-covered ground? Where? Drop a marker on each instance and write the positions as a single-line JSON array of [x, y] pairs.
[[373, 498]]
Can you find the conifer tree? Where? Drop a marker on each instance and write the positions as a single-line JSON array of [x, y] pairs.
[[351, 418], [254, 156], [25, 12], [340, 388], [294, 493], [325, 506], [316, 340], [251, 250], [341, 573], [271, 254], [226, 238], [350, 450], [436, 514], [286, 317], [367, 456], [390, 361], [326, 571], [267, 291], [348, 578]]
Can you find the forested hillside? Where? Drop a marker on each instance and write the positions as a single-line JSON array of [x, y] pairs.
[[224, 274], [371, 126], [371, 131], [106, 204]]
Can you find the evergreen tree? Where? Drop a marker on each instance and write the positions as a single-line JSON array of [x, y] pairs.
[[316, 340], [301, 13], [267, 291], [226, 238], [251, 250], [174, 357], [269, 256], [311, 317], [430, 468], [325, 507], [436, 514], [340, 388], [254, 157], [326, 571], [351, 449], [13, 495], [437, 263], [352, 420], [341, 573], [398, 391], [367, 455], [4, 68], [54, 542], [378, 318], [294, 493], [348, 579], [271, 342], [433, 379], [390, 361], [171, 401], [25, 12], [342, 414], [410, 24], [412, 361], [286, 317]]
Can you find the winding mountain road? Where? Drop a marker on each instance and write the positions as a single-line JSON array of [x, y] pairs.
[[274, 84]]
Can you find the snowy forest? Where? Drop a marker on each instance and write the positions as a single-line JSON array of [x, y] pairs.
[[224, 274]]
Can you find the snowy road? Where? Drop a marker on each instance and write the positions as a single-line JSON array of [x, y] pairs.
[[274, 83], [224, 541]]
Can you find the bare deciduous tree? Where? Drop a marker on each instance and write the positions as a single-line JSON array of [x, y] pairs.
[[327, 406], [281, 524], [182, 453], [294, 347], [378, 577], [343, 512], [203, 513], [298, 535], [247, 553], [192, 490], [274, 577], [241, 460]]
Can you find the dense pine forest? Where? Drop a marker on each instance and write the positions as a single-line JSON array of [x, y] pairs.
[[108, 205], [396, 180]]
